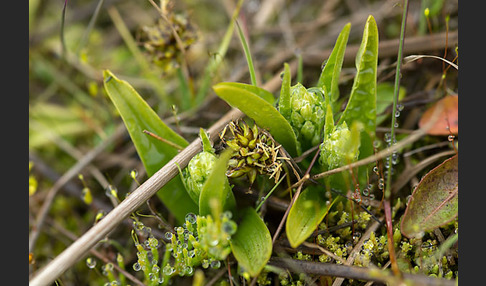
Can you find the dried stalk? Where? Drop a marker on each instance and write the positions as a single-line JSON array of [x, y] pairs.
[[354, 272]]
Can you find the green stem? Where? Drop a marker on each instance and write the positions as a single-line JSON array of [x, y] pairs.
[[387, 207], [246, 49]]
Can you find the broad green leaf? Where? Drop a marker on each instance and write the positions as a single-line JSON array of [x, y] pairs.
[[284, 100], [434, 202], [244, 97], [305, 215], [362, 101], [138, 116], [216, 195], [330, 73], [252, 243]]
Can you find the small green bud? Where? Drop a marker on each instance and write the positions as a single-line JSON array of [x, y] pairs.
[[197, 172], [307, 114]]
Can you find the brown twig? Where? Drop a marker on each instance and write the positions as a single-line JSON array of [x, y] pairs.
[[354, 272]]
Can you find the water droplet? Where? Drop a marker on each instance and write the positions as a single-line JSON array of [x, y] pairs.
[[229, 227], [356, 236], [365, 192], [191, 253], [407, 199], [205, 263], [168, 235], [152, 276], [161, 280], [396, 125], [155, 269], [137, 266], [349, 245], [397, 113], [215, 264], [90, 262], [191, 218], [451, 138], [376, 143], [376, 170], [227, 214], [400, 107], [168, 270], [323, 65], [111, 191], [381, 186], [395, 158], [282, 75], [153, 242], [387, 137], [189, 270]]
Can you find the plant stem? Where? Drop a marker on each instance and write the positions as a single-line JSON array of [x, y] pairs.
[[387, 196], [396, 92]]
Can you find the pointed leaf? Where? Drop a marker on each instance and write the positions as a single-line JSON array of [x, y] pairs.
[[331, 71], [362, 101], [434, 202], [284, 100], [244, 97], [138, 116], [216, 195], [305, 215], [252, 243]]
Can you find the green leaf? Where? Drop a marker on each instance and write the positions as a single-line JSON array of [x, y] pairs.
[[246, 98], [434, 202], [216, 195], [330, 73], [305, 215], [138, 116], [246, 49], [362, 101], [284, 100], [252, 243]]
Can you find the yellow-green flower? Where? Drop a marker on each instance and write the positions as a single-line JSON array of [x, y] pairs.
[[254, 152]]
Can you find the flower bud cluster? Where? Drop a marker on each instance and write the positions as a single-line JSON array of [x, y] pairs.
[[254, 152], [160, 43], [307, 115]]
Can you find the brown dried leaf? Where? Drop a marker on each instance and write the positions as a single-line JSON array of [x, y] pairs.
[[448, 117]]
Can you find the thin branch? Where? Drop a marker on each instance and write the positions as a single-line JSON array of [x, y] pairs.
[[354, 272]]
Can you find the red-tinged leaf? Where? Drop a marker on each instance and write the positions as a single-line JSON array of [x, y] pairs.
[[448, 117], [434, 202]]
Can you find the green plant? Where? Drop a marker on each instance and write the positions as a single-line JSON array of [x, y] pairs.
[[306, 159]]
